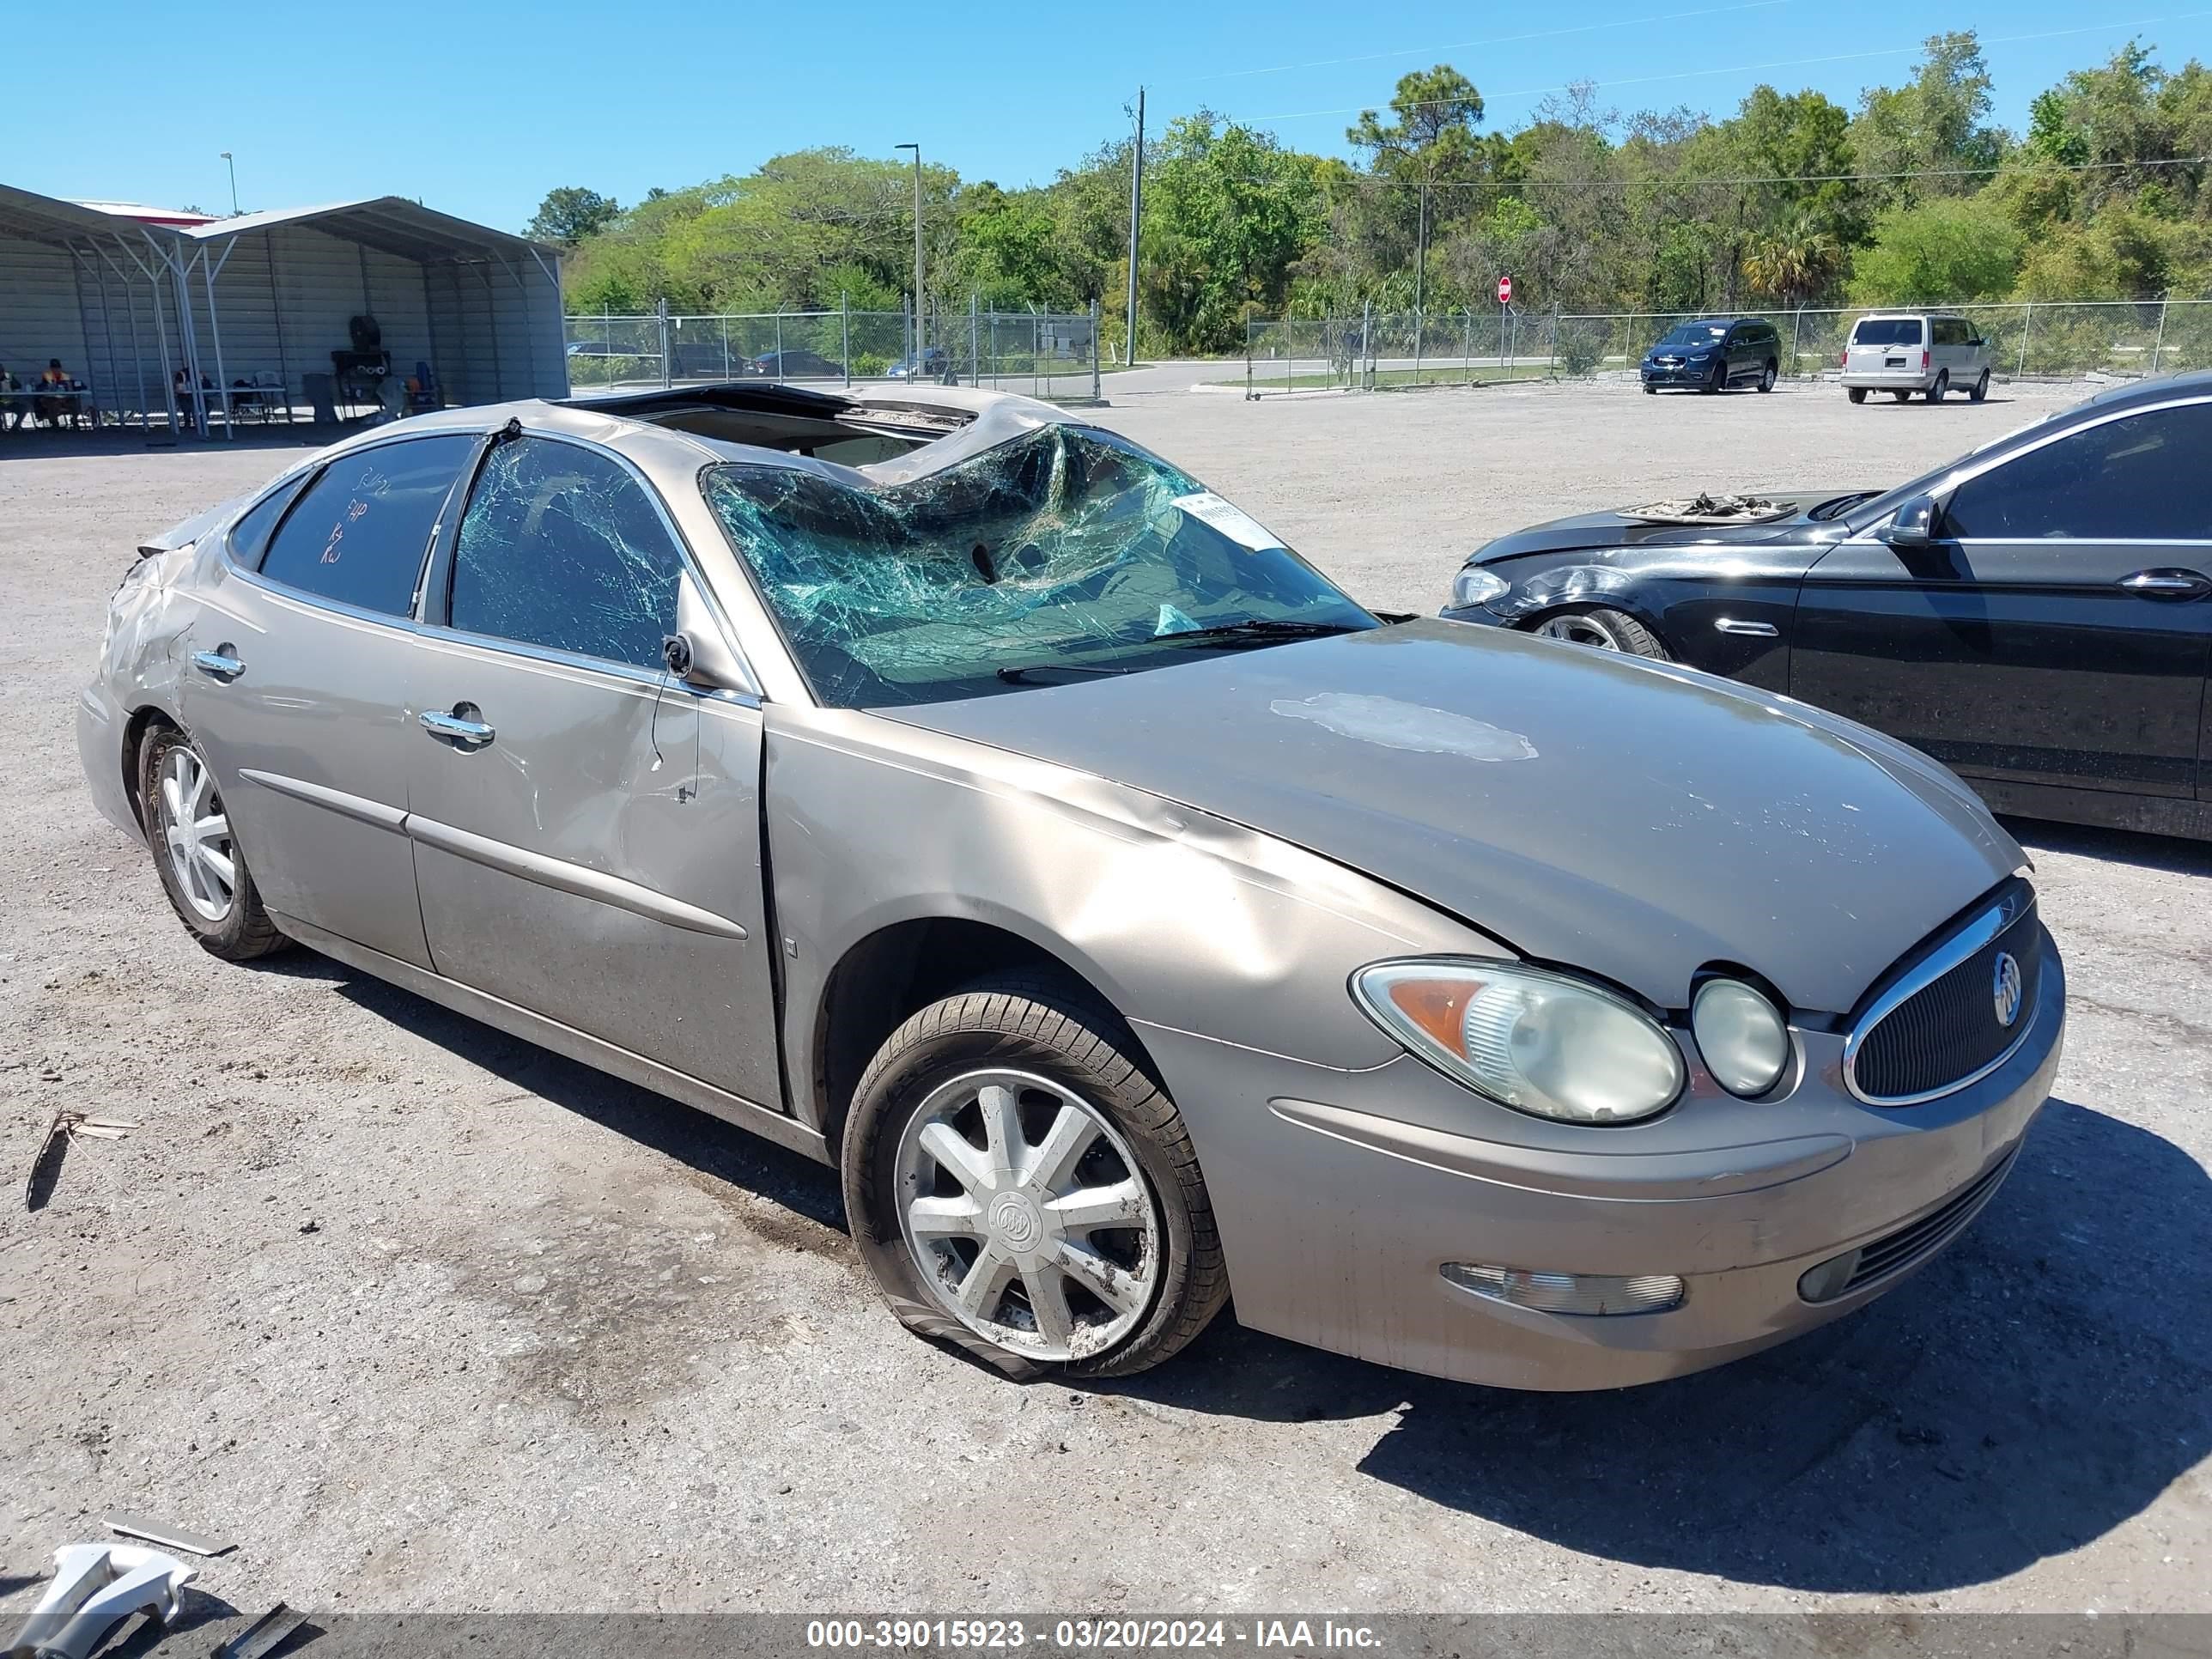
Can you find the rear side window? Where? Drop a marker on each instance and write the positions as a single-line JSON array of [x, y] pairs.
[[1887, 330], [1949, 330], [2134, 479], [362, 530], [249, 537], [562, 547]]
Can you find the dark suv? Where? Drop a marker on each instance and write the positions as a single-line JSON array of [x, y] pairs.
[[1714, 353]]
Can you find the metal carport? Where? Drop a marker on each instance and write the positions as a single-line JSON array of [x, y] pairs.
[[482, 307], [232, 302]]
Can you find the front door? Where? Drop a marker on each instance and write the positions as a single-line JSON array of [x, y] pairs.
[[297, 687], [2057, 633], [587, 829]]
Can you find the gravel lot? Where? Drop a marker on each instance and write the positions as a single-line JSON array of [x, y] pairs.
[[426, 1319]]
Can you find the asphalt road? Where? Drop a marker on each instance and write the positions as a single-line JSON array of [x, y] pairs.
[[423, 1318]]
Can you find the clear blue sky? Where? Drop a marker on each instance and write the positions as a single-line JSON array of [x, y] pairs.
[[478, 110]]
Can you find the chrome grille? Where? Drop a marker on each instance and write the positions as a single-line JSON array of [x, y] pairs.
[[1934, 1026]]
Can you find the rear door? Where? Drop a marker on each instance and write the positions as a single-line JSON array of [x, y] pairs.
[[298, 685], [2059, 630], [586, 829]]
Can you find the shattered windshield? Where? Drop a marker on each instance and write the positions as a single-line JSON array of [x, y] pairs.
[[1065, 552]]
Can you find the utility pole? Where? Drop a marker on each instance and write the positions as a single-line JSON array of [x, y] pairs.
[[1421, 257], [1136, 219], [916, 148], [234, 183]]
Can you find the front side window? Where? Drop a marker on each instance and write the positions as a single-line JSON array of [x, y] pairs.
[[562, 547], [1065, 552], [2136, 478], [362, 530]]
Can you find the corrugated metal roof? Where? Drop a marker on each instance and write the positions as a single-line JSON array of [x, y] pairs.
[[391, 222], [49, 219]]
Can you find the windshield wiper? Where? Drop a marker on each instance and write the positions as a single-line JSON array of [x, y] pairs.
[[1016, 676], [1256, 628]]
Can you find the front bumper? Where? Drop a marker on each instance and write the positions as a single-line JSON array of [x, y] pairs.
[[1682, 374], [1341, 1195], [100, 731]]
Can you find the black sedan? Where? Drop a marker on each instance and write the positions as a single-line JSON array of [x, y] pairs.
[[2037, 614]]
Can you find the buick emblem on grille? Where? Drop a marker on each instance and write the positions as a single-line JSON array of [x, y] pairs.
[[2005, 994]]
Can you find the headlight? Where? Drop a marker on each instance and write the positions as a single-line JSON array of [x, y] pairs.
[[1476, 585], [1529, 1038], [1745, 1043]]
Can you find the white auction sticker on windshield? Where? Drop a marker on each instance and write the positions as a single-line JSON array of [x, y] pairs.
[[1230, 520]]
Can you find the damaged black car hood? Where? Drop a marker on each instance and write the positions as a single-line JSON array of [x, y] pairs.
[[1631, 819], [1795, 521]]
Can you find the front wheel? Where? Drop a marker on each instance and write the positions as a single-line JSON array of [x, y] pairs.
[[1606, 630], [1717, 380], [1856, 393], [1019, 1186], [201, 869], [1899, 397]]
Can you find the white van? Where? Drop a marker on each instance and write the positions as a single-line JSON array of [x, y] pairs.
[[1905, 352]]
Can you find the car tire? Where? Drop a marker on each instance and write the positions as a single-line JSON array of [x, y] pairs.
[[1899, 397], [1055, 1051], [176, 790], [1767, 376], [1981, 387], [1856, 393], [1942, 386], [1650, 390], [1717, 380], [1605, 630]]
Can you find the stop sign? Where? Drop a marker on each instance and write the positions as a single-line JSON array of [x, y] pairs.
[[1505, 290]]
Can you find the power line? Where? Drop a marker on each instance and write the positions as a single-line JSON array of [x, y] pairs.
[[1493, 41], [1738, 69]]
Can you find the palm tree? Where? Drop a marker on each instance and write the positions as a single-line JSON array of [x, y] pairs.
[[1795, 262]]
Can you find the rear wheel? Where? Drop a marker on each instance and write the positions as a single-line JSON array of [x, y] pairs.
[[1936, 392], [1020, 1186], [1606, 630], [202, 872], [1981, 388], [1766, 376], [1856, 393]]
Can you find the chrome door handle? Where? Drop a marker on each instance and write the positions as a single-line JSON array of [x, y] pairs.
[[218, 663], [2167, 584], [456, 727]]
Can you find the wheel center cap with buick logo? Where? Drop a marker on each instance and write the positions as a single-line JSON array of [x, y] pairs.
[[2005, 992], [1015, 1220]]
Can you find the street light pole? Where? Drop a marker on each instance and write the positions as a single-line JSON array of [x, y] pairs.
[[234, 184], [916, 148]]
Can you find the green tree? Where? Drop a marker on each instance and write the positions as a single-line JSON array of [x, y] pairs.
[[1940, 252], [1795, 262], [570, 214], [1936, 125]]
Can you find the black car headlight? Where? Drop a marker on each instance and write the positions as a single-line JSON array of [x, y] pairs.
[[1474, 586]]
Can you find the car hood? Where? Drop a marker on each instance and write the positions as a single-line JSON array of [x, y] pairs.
[[1636, 820], [1617, 529]]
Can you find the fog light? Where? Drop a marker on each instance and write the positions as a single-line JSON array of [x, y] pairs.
[[1825, 1282], [1568, 1293]]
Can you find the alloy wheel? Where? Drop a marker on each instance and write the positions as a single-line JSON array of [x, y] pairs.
[[197, 831], [1027, 1216], [1577, 630]]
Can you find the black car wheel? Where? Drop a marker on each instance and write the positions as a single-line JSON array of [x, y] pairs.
[[1981, 387], [1899, 397], [1766, 377], [1606, 630], [1717, 380], [1936, 392], [1856, 393], [1650, 390]]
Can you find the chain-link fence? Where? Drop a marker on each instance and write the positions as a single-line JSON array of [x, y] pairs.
[[1048, 354], [1374, 349]]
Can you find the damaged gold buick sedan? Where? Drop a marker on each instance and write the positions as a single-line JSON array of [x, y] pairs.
[[960, 795]]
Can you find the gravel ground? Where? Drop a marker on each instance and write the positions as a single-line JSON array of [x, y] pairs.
[[425, 1319]]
